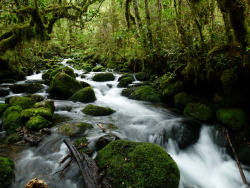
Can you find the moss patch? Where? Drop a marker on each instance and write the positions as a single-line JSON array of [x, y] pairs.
[[181, 100], [37, 122], [74, 128], [43, 112], [125, 82], [3, 107], [23, 102], [138, 164], [103, 77], [94, 110], [7, 167], [234, 118], [86, 94]]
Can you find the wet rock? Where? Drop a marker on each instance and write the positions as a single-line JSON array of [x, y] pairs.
[[103, 77], [86, 94], [36, 123], [126, 160], [110, 85], [7, 168], [186, 133], [141, 76], [105, 140], [85, 84], [23, 102], [48, 103], [64, 86], [33, 138], [4, 92], [18, 88], [83, 76], [33, 87], [233, 118], [67, 70], [7, 81], [11, 119], [46, 75], [3, 107], [13, 138], [94, 110], [125, 82], [82, 141], [126, 75], [37, 98], [36, 183], [74, 128], [98, 69], [199, 111]]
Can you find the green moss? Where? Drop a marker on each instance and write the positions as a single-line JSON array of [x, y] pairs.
[[41, 111], [48, 103], [199, 111], [173, 89], [97, 69], [103, 77], [11, 119], [94, 110], [141, 76], [46, 74], [74, 128], [13, 138], [66, 70], [125, 82], [144, 93], [86, 67], [7, 168], [234, 118], [71, 61], [64, 86], [3, 107], [86, 94], [181, 100], [138, 164], [23, 102], [126, 75], [37, 122]]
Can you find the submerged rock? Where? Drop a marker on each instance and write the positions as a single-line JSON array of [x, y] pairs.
[[138, 164], [86, 94], [234, 118], [103, 77], [18, 88], [4, 92], [23, 102], [7, 168], [199, 111], [64, 86], [33, 87], [105, 140], [74, 128], [94, 110]]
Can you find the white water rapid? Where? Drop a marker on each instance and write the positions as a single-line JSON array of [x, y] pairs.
[[204, 164]]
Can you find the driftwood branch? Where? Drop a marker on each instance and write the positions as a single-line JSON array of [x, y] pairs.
[[236, 158], [99, 125]]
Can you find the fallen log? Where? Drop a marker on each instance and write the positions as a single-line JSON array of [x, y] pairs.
[[236, 158], [88, 168]]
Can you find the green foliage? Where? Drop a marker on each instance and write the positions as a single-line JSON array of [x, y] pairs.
[[94, 110], [7, 168], [138, 164], [234, 118]]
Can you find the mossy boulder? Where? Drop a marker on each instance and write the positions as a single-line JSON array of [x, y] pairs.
[[141, 76], [64, 86], [138, 164], [3, 107], [11, 119], [36, 123], [103, 77], [98, 69], [74, 128], [144, 93], [94, 110], [7, 168], [173, 89], [48, 103], [43, 112], [33, 87], [86, 67], [181, 100], [86, 94], [234, 118], [126, 75], [199, 111], [46, 74], [23, 102], [67, 70], [125, 82]]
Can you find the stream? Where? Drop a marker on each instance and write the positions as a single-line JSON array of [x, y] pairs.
[[204, 164]]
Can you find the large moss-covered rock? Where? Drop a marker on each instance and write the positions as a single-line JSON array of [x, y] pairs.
[[7, 168], [103, 77], [37, 122], [234, 118], [67, 70], [48, 103], [74, 128], [125, 82], [64, 86], [46, 74], [138, 164], [173, 89], [94, 110], [86, 94], [23, 102], [3, 107], [199, 111], [144, 93], [98, 69], [43, 112], [126, 75], [181, 100], [11, 119]]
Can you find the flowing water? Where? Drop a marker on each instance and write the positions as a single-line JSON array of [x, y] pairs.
[[205, 164]]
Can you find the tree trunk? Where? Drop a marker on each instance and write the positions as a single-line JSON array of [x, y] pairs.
[[148, 23]]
